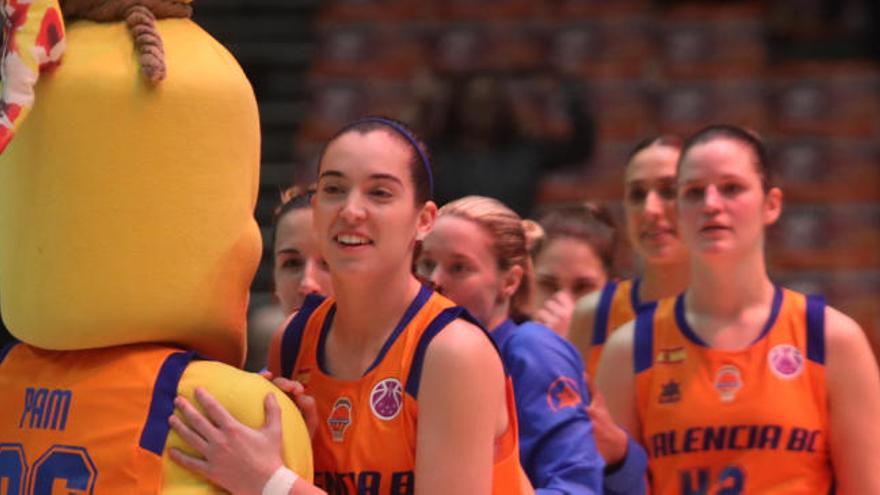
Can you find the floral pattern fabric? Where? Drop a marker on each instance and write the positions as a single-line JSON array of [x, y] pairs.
[[33, 42]]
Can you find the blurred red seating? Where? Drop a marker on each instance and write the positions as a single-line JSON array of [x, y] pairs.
[[364, 50], [623, 108], [372, 10], [621, 47], [685, 107], [831, 99], [827, 170], [839, 236]]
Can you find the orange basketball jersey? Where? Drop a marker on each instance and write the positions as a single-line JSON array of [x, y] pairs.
[[366, 440], [729, 422], [617, 305], [90, 421]]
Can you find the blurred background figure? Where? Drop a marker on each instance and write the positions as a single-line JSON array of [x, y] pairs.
[[803, 74], [652, 230], [575, 257], [298, 270], [484, 147]]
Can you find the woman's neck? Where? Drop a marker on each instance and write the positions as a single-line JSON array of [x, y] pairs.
[[368, 308], [500, 314], [666, 280], [726, 287], [729, 301]]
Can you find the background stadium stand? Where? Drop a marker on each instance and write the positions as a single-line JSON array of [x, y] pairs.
[[803, 74]]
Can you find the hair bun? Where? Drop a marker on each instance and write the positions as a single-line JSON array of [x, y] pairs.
[[534, 233]]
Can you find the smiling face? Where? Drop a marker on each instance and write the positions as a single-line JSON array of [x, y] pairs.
[[298, 269], [365, 212], [458, 257], [649, 205], [723, 208]]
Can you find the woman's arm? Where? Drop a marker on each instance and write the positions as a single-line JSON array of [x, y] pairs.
[[854, 402], [616, 378], [462, 410], [580, 330], [557, 448], [233, 456], [616, 383]]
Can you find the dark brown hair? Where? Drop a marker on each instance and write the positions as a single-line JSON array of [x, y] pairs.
[[419, 164], [588, 222], [666, 140], [742, 136]]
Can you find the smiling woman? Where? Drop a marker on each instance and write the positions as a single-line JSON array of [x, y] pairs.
[[388, 371], [649, 208]]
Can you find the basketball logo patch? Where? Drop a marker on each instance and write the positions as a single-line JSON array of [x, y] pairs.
[[340, 418], [728, 381], [563, 393], [786, 361], [386, 399]]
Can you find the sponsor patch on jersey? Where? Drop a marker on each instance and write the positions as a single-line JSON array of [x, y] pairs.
[[340, 418], [386, 398], [672, 355], [786, 361], [728, 381], [670, 392], [563, 393]]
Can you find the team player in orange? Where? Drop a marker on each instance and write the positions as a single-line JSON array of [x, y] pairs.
[[738, 385], [649, 207], [298, 269], [411, 396]]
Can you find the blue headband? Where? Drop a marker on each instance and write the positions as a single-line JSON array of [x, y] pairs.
[[406, 135]]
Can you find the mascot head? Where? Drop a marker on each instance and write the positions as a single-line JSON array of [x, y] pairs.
[[127, 194]]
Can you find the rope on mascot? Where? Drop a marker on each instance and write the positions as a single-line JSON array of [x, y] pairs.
[[140, 16]]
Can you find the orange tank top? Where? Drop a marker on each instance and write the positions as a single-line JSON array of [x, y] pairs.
[[729, 422], [366, 440], [617, 305], [87, 421]]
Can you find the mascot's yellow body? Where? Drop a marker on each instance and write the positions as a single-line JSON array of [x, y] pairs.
[[127, 237]]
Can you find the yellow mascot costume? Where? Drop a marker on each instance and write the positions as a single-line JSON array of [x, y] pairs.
[[127, 244]]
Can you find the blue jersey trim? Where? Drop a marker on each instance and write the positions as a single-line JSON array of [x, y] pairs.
[[600, 326], [447, 316], [6, 348], [322, 339], [689, 333], [643, 338], [816, 329], [634, 294], [414, 307], [411, 312], [292, 338], [155, 431]]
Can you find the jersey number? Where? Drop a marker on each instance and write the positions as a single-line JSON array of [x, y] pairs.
[[70, 465], [697, 481]]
